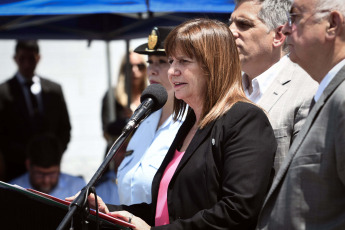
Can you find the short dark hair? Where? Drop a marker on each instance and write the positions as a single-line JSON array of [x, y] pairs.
[[44, 151], [27, 45]]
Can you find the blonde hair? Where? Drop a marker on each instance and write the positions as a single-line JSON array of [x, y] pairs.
[[212, 44], [120, 89]]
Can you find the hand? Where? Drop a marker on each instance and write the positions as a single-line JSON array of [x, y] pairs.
[[92, 202], [130, 218]]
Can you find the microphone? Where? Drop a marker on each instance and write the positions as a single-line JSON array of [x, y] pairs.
[[152, 99]]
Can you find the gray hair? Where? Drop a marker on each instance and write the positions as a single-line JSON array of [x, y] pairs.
[[338, 5], [273, 12]]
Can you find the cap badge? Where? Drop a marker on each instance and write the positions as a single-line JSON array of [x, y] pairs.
[[153, 39]]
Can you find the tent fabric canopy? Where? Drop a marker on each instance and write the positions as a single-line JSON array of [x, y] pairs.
[[49, 7], [100, 19], [58, 7], [205, 6]]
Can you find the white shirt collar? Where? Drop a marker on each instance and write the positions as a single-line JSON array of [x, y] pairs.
[[261, 83], [22, 80], [327, 79]]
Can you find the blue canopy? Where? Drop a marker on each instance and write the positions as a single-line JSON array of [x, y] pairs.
[[49, 7], [205, 6], [100, 19]]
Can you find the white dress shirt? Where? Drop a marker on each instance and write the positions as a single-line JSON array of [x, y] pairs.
[[327, 79], [261, 83]]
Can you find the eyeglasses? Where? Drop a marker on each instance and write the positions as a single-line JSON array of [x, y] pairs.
[[292, 16], [139, 66], [40, 175]]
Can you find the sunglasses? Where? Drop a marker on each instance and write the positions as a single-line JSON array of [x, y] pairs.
[[139, 66]]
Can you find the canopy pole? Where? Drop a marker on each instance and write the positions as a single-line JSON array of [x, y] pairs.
[[128, 78], [111, 95]]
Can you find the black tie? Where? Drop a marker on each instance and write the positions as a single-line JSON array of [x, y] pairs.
[[36, 117], [33, 98]]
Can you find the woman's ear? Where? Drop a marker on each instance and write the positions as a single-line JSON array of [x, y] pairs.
[[279, 37]]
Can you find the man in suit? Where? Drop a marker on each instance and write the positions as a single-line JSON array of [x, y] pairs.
[[29, 105], [309, 189], [270, 79]]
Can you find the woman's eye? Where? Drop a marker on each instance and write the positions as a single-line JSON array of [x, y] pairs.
[[170, 61], [149, 62]]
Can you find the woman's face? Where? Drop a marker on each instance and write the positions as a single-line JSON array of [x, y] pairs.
[[158, 71], [138, 67], [188, 80]]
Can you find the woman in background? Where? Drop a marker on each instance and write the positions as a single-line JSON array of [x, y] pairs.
[[113, 128], [106, 186]]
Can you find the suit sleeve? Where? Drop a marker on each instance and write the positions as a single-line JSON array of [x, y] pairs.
[[340, 139], [247, 147]]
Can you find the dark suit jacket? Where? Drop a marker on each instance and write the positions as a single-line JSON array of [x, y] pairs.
[[223, 176], [16, 126]]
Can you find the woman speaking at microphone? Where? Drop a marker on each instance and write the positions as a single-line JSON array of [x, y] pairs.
[[218, 168]]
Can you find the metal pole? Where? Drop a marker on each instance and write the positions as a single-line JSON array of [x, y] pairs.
[[111, 95], [128, 78]]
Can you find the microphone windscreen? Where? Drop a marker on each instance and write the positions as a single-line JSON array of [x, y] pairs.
[[157, 93]]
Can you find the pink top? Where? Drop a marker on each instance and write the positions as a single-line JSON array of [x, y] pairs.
[[162, 214]]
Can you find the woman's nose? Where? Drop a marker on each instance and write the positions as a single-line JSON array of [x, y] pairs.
[[173, 71], [152, 70]]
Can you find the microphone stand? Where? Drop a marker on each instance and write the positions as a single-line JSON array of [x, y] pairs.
[[80, 204]]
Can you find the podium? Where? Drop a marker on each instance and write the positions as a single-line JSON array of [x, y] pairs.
[[29, 209]]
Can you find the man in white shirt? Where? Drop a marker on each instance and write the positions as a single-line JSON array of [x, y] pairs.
[[270, 79], [308, 191]]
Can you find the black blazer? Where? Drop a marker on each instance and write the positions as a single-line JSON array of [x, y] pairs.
[[16, 126], [223, 177]]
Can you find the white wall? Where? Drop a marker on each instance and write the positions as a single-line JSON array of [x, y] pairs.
[[82, 72]]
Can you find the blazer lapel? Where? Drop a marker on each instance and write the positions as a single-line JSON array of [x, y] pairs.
[[19, 97], [45, 94], [181, 134], [339, 78], [198, 138], [276, 89], [194, 144]]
